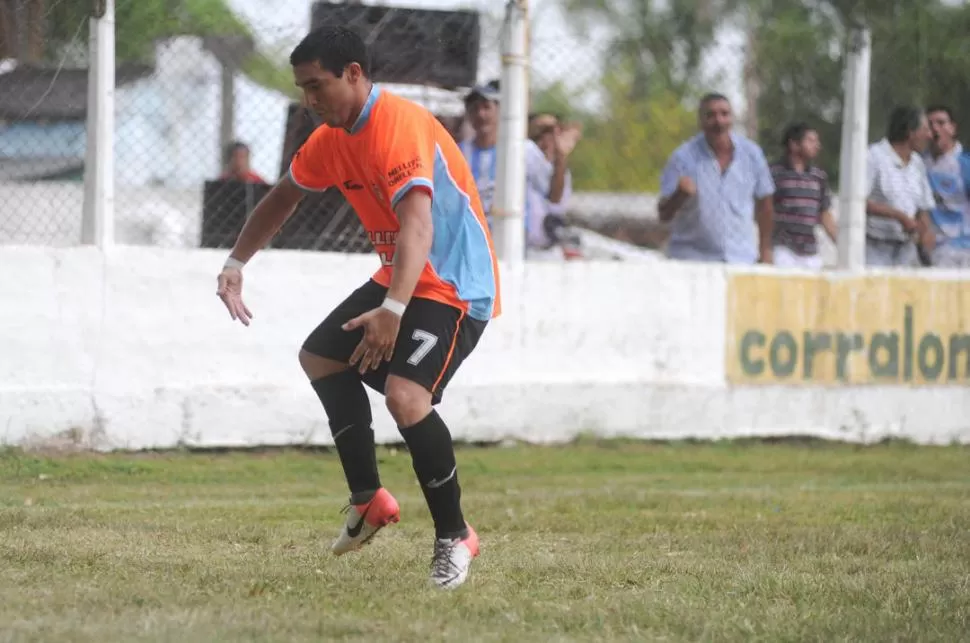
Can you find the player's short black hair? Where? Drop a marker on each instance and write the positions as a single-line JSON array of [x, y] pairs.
[[903, 121], [709, 98], [939, 107], [333, 48], [795, 133]]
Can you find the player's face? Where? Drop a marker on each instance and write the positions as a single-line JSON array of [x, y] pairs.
[[943, 129], [920, 137], [810, 146], [716, 117], [334, 100], [239, 163], [483, 114]]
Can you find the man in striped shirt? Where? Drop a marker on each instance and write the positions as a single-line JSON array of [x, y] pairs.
[[802, 200]]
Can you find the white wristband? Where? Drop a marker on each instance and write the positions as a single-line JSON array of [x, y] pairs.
[[234, 263], [394, 306]]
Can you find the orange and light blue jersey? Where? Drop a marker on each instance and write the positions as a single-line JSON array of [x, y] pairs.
[[396, 146]]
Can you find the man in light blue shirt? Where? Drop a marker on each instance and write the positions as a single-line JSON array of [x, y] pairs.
[[948, 165], [713, 189], [481, 109]]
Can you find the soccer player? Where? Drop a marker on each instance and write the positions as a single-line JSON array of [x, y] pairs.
[[406, 331]]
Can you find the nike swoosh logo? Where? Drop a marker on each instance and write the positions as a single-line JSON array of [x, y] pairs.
[[436, 484], [354, 531]]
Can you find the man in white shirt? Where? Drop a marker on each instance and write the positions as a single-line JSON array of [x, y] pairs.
[[549, 187], [900, 197]]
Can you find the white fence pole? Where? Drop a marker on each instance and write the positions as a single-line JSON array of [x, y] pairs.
[[509, 201], [853, 162], [97, 224]]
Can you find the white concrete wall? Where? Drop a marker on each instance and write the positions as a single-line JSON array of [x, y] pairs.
[[133, 349]]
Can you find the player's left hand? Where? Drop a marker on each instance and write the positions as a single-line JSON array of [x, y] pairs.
[[230, 282], [381, 327]]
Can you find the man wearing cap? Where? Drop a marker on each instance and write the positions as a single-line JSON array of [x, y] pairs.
[[481, 108]]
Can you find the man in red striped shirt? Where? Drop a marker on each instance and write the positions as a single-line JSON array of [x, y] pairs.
[[802, 200]]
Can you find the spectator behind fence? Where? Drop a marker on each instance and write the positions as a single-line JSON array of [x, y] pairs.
[[549, 186], [712, 189], [949, 173], [900, 197], [802, 200], [237, 165], [481, 108]]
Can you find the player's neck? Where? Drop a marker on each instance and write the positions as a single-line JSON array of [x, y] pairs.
[[362, 99], [904, 150], [721, 143], [942, 149], [797, 163], [485, 140]]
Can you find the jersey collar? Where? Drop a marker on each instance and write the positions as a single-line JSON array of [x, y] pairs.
[[364, 115]]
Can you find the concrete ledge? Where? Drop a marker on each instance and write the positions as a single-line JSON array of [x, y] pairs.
[[132, 349]]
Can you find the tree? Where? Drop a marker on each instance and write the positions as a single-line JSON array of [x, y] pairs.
[[799, 70], [919, 54], [139, 24], [661, 42], [625, 147], [796, 55]]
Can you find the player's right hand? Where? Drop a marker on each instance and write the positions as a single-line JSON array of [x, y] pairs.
[[909, 224], [686, 185], [230, 292]]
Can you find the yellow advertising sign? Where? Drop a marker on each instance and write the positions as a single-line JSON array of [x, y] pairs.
[[810, 331]]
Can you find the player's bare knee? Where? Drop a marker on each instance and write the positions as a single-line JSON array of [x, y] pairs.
[[317, 367], [408, 402]]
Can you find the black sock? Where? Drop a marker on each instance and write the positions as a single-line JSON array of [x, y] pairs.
[[348, 409], [433, 457]]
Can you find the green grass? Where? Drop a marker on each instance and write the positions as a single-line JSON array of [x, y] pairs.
[[615, 541]]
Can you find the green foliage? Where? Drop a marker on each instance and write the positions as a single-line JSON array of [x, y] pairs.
[[659, 41], [920, 55], [801, 78], [141, 23], [625, 147]]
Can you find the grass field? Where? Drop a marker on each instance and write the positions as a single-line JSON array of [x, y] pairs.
[[615, 541]]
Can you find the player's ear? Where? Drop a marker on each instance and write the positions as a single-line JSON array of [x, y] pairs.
[[354, 72]]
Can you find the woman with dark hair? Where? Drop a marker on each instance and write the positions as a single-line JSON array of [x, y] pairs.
[[900, 197]]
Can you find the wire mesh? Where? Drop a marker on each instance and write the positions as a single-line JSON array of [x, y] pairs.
[[194, 77], [42, 130], [206, 122]]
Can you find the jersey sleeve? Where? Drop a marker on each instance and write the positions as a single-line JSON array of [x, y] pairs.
[[408, 158], [312, 166]]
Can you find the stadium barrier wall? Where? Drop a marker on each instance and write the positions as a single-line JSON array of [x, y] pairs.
[[132, 349]]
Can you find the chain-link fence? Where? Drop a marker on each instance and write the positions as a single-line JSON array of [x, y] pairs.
[[632, 73], [204, 95], [206, 123]]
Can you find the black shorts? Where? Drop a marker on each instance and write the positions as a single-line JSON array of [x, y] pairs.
[[433, 341]]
